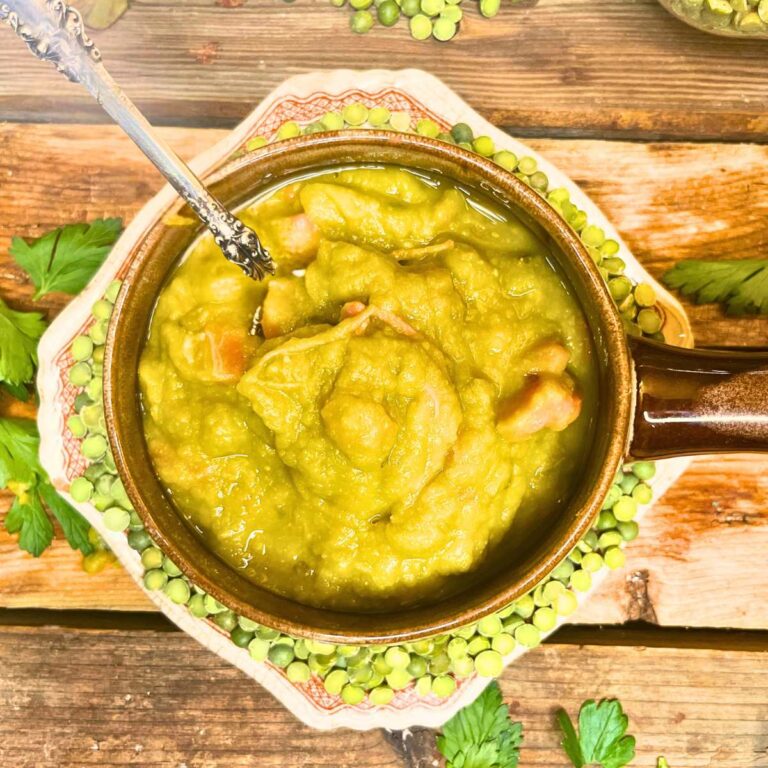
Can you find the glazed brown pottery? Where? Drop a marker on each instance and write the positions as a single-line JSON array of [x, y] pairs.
[[654, 400]]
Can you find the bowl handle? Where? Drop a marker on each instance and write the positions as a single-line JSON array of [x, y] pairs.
[[693, 401]]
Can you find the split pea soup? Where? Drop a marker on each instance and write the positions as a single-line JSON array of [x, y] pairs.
[[409, 398]]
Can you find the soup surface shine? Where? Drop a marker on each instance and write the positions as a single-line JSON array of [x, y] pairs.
[[420, 377]]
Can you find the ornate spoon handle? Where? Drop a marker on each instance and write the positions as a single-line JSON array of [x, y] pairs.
[[54, 32]]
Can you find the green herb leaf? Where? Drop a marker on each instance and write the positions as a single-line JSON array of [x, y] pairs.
[[67, 258], [74, 525], [602, 738], [21, 470], [661, 762], [742, 285], [19, 443], [570, 742], [29, 520], [481, 735], [477, 756], [19, 391], [19, 333]]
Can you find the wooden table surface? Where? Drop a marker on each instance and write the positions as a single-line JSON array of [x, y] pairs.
[[665, 127]]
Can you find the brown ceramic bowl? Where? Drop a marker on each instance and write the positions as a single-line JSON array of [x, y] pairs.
[[650, 406]]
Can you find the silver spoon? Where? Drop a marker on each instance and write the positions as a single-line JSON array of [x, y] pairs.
[[54, 32]]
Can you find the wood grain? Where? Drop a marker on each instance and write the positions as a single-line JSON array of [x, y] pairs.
[[74, 698], [699, 561], [563, 67], [680, 201], [53, 175], [670, 201]]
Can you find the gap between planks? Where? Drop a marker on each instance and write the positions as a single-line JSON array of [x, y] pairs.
[[632, 634]]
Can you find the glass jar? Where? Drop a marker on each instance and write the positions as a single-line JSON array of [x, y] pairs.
[[733, 18]]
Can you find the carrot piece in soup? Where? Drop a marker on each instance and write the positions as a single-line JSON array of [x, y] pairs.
[[228, 353]]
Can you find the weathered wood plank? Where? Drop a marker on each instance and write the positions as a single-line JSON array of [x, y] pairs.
[[699, 559], [51, 175], [680, 201], [698, 562], [562, 67], [77, 697], [670, 201], [57, 580]]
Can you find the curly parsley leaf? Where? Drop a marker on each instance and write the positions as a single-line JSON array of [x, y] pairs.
[[742, 285], [68, 257], [602, 738], [28, 518], [481, 735], [19, 334], [74, 525]]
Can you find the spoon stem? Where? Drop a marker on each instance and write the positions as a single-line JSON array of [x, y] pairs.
[[55, 32]]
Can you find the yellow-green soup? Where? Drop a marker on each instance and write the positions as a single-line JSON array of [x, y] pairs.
[[361, 430]]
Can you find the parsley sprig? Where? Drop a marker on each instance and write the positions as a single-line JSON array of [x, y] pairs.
[[21, 472], [66, 258], [481, 735], [602, 737], [62, 260], [742, 285]]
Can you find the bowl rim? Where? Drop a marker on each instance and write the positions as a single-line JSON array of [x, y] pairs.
[[611, 345]]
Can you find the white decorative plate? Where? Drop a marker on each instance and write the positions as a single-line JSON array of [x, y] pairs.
[[304, 99]]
